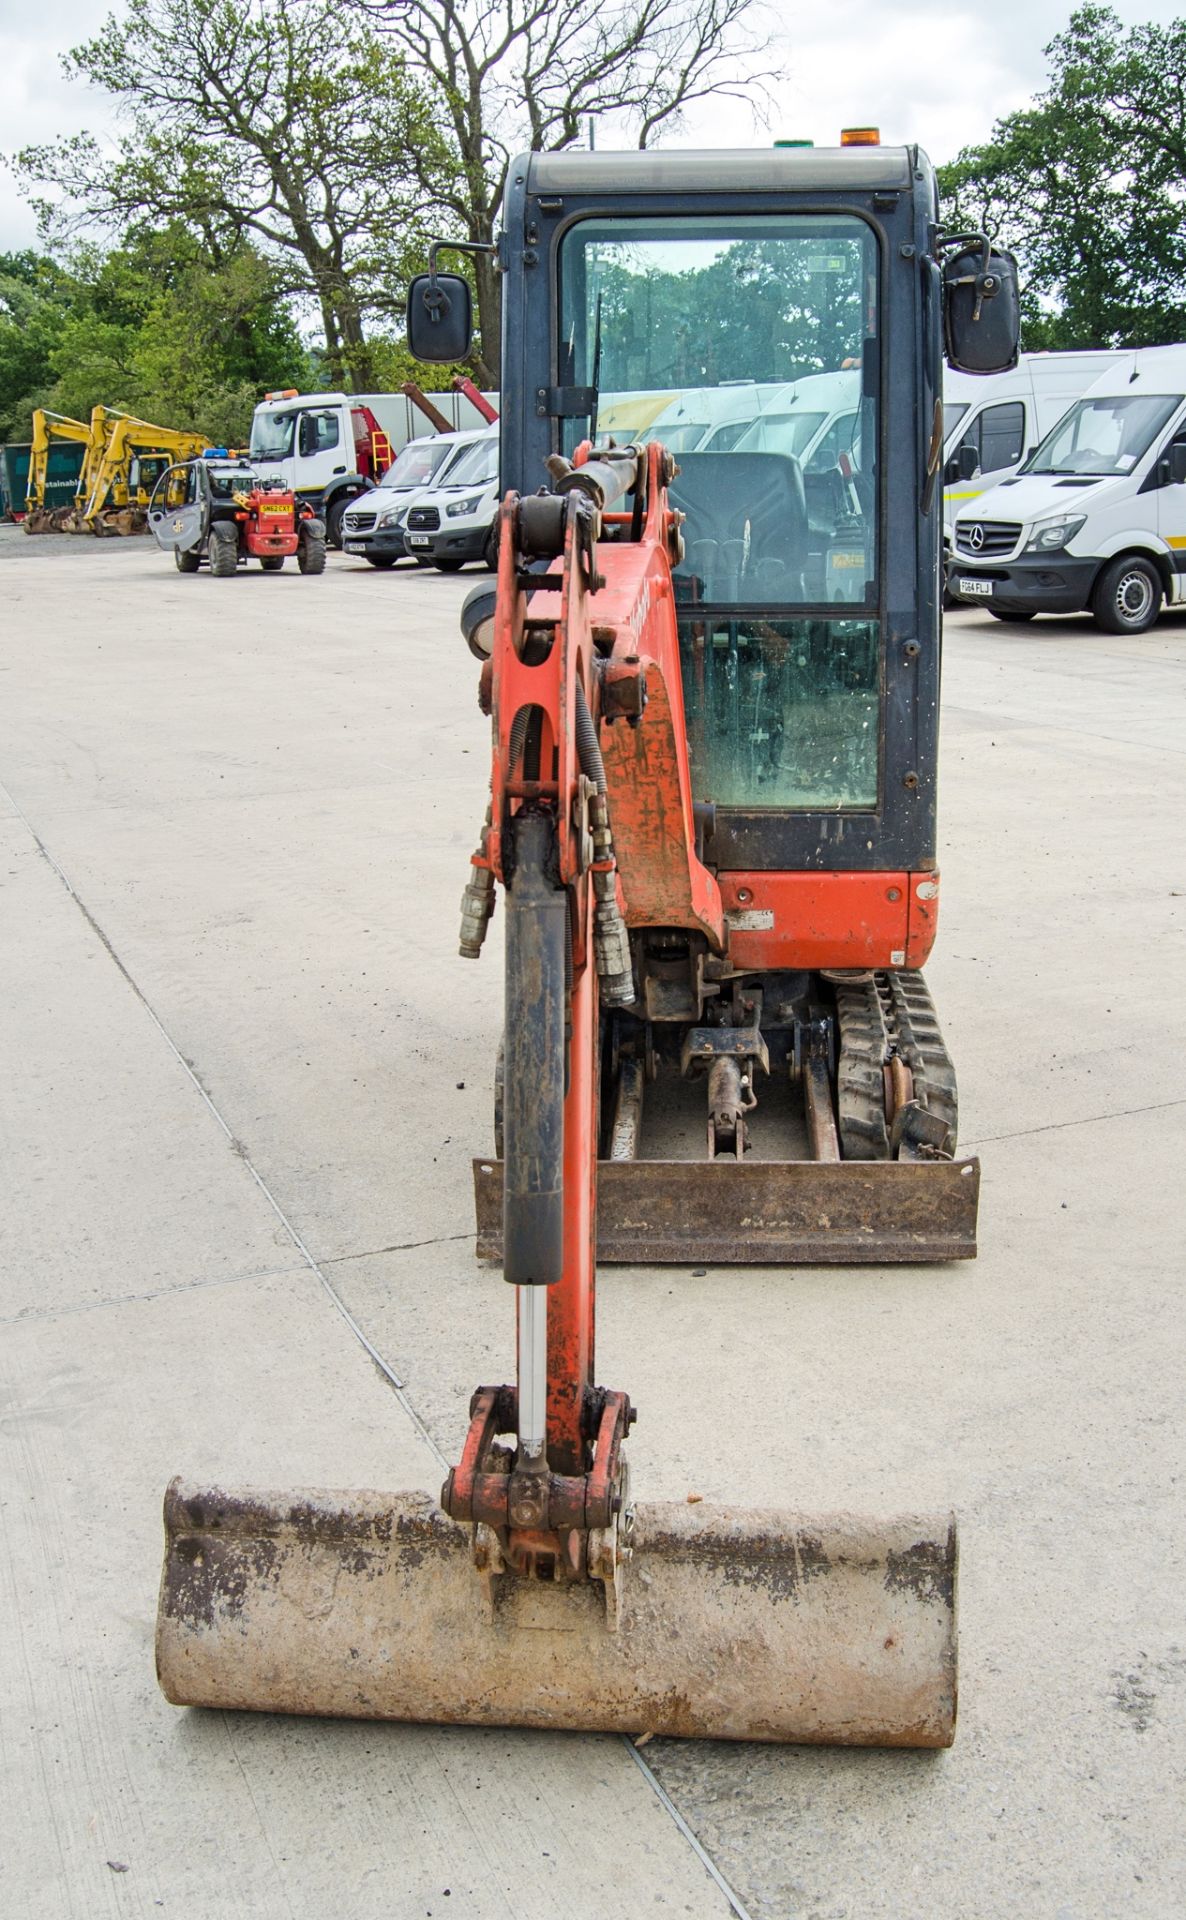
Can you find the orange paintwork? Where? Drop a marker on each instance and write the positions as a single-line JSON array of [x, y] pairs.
[[830, 919]]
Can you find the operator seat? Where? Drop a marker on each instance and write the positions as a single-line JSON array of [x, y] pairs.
[[724, 493]]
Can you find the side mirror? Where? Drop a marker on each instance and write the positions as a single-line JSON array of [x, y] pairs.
[[967, 462], [1173, 465], [981, 308], [440, 317]]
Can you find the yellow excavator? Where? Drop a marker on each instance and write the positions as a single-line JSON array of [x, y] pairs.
[[133, 456], [124, 458], [48, 427]]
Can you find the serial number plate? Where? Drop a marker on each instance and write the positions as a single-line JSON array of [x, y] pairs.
[[981, 588], [419, 540]]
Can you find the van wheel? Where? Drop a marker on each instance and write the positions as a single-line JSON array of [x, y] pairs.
[[1127, 596], [223, 549], [188, 562]]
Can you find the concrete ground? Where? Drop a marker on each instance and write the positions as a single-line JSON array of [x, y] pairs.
[[243, 1075]]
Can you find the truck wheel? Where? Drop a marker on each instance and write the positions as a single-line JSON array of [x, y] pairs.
[[224, 550], [188, 562], [1127, 596], [333, 522], [311, 553], [272, 562]]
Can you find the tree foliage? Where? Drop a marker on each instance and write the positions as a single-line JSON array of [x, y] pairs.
[[296, 126], [1089, 186], [506, 75], [156, 326]]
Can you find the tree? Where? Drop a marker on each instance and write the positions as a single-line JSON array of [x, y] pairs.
[[1088, 186], [156, 327], [291, 124], [511, 74]]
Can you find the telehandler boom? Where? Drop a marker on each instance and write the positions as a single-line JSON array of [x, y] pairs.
[[713, 692]]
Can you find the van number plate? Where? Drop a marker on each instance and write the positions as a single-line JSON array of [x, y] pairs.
[[418, 540], [981, 588]]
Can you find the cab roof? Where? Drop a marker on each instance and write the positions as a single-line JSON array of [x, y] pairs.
[[744, 170]]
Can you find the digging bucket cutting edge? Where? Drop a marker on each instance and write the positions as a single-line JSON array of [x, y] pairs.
[[736, 1626]]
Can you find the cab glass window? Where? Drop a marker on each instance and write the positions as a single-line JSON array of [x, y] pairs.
[[320, 431], [749, 344], [1106, 435]]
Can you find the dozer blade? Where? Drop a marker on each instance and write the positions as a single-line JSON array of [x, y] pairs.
[[736, 1626], [767, 1212]]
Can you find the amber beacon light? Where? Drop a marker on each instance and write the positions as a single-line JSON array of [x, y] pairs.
[[860, 137]]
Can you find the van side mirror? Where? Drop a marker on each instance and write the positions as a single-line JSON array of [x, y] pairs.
[[440, 317], [967, 461], [981, 306], [1173, 465]]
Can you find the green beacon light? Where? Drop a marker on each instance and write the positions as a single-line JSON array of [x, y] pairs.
[[794, 143]]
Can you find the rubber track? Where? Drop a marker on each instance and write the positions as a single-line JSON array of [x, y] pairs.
[[890, 1012]]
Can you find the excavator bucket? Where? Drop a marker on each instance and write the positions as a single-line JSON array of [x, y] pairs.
[[724, 1625]]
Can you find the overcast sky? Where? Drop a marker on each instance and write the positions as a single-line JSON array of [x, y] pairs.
[[925, 70]]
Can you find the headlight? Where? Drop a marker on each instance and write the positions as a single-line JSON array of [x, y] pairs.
[[459, 507], [391, 518], [1048, 535]]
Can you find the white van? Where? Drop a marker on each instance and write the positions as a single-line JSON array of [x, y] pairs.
[[1096, 518], [991, 422], [373, 524], [454, 520]]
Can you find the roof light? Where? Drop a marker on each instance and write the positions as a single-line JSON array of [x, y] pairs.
[[794, 143], [283, 393], [860, 137]]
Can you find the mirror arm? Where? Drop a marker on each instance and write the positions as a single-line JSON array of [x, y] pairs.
[[456, 246]]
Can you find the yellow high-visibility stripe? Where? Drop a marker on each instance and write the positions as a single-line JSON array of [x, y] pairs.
[[1175, 539]]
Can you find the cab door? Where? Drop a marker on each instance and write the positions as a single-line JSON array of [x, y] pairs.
[[321, 449], [1171, 506], [179, 508]]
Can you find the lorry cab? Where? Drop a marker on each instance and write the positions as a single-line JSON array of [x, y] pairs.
[[1096, 516]]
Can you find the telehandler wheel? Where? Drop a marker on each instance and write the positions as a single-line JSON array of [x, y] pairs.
[[272, 562], [311, 553], [1127, 596], [223, 550], [188, 562]]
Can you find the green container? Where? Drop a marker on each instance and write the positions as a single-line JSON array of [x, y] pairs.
[[61, 478]]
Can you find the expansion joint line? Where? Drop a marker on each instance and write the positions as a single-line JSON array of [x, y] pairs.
[[398, 1387]]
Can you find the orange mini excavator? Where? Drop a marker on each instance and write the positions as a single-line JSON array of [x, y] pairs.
[[712, 667]]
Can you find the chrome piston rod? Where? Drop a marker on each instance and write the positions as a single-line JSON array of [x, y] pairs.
[[533, 1372]]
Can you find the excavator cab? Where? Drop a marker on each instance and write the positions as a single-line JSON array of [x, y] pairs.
[[713, 681]]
